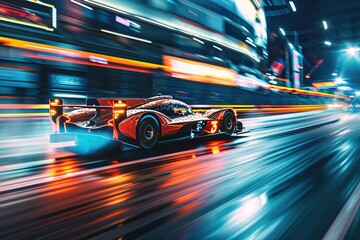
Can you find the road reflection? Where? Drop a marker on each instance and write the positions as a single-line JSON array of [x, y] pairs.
[[272, 183]]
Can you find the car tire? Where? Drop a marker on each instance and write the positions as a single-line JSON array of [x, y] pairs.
[[228, 123], [148, 132]]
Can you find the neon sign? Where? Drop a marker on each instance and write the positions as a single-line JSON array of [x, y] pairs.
[[30, 13]]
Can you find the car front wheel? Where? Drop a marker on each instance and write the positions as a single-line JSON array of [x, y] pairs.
[[148, 132], [228, 123]]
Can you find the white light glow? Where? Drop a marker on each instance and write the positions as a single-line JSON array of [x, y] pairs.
[[325, 25], [358, 93], [293, 7], [344, 88], [282, 31], [250, 42], [54, 17], [249, 208], [98, 60], [351, 51], [291, 46], [328, 43], [126, 36], [135, 24], [218, 48], [246, 8], [249, 39], [67, 95], [198, 40], [339, 80], [334, 74], [245, 29], [81, 4]]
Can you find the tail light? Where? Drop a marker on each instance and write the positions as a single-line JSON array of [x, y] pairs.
[[56, 110], [119, 114]]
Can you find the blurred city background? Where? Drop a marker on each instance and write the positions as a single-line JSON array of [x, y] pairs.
[[213, 52]]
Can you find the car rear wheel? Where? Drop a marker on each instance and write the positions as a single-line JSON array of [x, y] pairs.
[[148, 132], [228, 123]]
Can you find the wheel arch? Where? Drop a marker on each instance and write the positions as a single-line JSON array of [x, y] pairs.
[[218, 114]]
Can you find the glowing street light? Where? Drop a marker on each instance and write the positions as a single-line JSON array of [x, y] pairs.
[[339, 80], [282, 31], [351, 51], [325, 25], [328, 43], [273, 82], [293, 7], [334, 74]]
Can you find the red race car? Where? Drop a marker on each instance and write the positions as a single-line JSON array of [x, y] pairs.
[[140, 122]]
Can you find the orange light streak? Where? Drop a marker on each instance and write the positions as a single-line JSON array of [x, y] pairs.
[[88, 63], [306, 92], [76, 53], [24, 106], [199, 72], [19, 115]]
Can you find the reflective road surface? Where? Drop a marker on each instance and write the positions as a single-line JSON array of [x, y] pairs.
[[294, 176]]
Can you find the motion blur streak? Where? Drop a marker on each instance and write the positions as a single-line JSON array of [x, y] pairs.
[[24, 106], [300, 91], [43, 109], [200, 73], [278, 181], [73, 53], [85, 63], [23, 115]]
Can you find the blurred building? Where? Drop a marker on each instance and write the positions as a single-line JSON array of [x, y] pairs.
[[198, 51], [81, 48]]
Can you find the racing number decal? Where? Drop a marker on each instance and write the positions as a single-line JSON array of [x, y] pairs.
[[214, 126]]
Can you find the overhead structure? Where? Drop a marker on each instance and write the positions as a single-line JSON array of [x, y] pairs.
[[344, 29], [278, 7]]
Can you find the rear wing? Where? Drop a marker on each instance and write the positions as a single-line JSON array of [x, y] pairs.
[[117, 108]]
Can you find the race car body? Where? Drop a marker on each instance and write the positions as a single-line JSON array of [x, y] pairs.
[[140, 122]]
